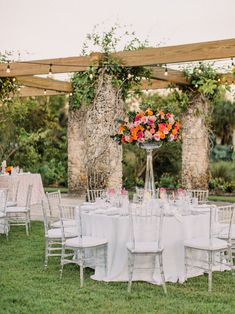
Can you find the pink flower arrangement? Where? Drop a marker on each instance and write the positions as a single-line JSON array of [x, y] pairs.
[[148, 127]]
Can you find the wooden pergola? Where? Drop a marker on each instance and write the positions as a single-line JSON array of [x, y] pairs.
[[26, 71]]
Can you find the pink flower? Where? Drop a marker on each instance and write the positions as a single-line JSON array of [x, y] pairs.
[[152, 118], [168, 115], [152, 131], [144, 119], [171, 120], [148, 135], [140, 134], [157, 136], [137, 117]]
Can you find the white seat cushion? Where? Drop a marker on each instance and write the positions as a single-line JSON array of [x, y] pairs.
[[143, 247], [206, 244], [11, 203], [85, 242], [16, 209], [57, 233], [67, 223]]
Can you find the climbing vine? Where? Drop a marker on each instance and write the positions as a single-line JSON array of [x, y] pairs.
[[125, 79], [8, 85]]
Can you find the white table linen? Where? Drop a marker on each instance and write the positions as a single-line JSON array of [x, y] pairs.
[[115, 229], [25, 179]]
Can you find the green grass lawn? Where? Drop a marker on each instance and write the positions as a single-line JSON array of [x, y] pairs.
[[25, 287], [222, 198]]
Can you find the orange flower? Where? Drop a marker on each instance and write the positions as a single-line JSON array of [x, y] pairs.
[[169, 126], [174, 131], [121, 129], [149, 112], [161, 113], [162, 135], [177, 125], [141, 128], [161, 126]]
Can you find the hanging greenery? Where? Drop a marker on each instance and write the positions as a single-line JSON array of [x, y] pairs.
[[8, 85], [125, 79]]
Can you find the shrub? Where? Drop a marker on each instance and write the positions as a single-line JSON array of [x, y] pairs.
[[223, 170]]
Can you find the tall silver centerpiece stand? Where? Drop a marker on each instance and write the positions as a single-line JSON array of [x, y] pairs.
[[149, 186]]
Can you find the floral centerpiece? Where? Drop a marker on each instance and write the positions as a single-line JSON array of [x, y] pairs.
[[9, 169], [148, 127]]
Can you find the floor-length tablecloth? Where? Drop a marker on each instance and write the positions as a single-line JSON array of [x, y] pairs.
[[116, 230], [10, 182]]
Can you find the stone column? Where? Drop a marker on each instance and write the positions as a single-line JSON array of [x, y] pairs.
[[91, 151], [195, 144]]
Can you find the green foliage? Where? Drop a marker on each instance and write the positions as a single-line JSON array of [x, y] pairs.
[[205, 80], [33, 136], [125, 79], [223, 120], [222, 176], [167, 159], [175, 102], [167, 181], [223, 170], [8, 85], [221, 152]]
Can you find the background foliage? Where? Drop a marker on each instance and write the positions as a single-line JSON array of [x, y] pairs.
[[33, 136]]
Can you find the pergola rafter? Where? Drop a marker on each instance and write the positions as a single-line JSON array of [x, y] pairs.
[[151, 57]]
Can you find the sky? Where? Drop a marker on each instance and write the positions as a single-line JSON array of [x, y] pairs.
[[39, 29]]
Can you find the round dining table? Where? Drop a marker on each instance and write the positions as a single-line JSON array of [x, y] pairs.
[[24, 179], [116, 229]]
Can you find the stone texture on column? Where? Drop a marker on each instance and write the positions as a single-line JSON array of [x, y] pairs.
[[90, 147], [195, 145]]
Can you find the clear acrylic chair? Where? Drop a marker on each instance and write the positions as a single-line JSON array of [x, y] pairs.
[[53, 236], [93, 194], [54, 200], [226, 226], [20, 215], [12, 201], [146, 224], [201, 195], [213, 250], [79, 245], [4, 226]]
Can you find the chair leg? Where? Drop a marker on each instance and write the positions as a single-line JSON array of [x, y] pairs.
[[46, 254], [210, 271], [131, 261], [81, 268], [62, 260], [162, 273], [27, 228]]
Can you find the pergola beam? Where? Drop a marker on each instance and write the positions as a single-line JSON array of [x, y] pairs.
[[45, 83], [173, 76], [219, 49], [31, 92], [30, 89]]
